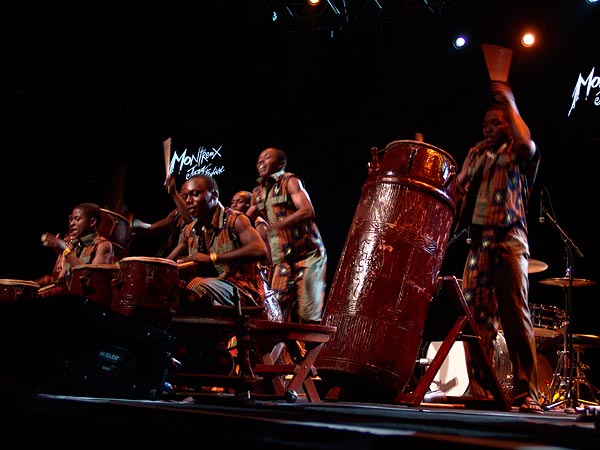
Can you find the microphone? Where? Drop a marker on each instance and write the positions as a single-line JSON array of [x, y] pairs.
[[541, 218]]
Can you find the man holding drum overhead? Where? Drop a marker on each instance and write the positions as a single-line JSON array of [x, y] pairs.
[[85, 245], [495, 181]]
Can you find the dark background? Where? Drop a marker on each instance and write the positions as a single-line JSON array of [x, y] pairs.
[[89, 88]]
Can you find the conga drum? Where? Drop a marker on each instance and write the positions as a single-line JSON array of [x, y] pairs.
[[94, 282], [116, 229], [148, 286], [388, 271], [15, 290]]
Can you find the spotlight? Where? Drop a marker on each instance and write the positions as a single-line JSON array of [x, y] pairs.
[[591, 2], [459, 42], [528, 40], [313, 2]]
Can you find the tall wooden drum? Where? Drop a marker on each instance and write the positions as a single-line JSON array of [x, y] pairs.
[[388, 270]]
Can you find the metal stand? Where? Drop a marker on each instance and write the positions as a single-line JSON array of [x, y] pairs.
[[564, 386], [570, 372]]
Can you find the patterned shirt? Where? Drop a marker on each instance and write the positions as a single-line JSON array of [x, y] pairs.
[[274, 203], [220, 237], [506, 181], [84, 248]]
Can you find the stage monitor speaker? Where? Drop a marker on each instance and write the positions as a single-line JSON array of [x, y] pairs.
[[73, 346]]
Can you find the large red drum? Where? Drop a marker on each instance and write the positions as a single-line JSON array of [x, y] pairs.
[[388, 270], [146, 282], [15, 290], [94, 282]]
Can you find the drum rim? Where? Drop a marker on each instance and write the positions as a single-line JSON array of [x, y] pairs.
[[156, 259], [112, 213], [422, 144], [543, 306], [13, 282], [49, 286], [96, 266]]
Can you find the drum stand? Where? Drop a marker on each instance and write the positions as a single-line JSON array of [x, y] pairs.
[[562, 386], [567, 377]]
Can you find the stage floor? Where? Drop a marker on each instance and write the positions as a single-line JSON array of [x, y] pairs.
[[220, 420]]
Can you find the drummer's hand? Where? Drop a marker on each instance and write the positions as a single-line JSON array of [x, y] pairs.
[[502, 92], [45, 280], [201, 258], [53, 241], [170, 184]]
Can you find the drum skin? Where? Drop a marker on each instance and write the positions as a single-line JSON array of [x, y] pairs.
[[388, 270]]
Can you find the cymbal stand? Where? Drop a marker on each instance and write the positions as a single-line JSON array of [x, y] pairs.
[[563, 376]]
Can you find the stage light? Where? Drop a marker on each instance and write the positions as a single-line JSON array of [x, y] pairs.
[[460, 42], [313, 2], [528, 40], [591, 2]]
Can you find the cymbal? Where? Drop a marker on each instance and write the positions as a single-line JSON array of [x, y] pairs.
[[536, 266], [581, 340], [564, 282]]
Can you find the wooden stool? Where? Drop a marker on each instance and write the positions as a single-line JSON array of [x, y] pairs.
[[261, 369], [288, 378]]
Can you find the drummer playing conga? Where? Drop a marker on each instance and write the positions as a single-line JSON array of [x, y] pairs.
[[223, 241], [84, 244]]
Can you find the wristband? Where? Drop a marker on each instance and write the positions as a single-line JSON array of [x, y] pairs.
[[66, 251], [213, 257]]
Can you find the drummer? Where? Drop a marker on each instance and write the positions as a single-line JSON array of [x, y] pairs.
[[82, 245], [225, 245]]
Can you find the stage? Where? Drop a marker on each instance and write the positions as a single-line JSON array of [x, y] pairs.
[[218, 420], [75, 373]]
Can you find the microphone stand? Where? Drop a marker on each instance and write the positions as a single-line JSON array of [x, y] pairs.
[[565, 361]]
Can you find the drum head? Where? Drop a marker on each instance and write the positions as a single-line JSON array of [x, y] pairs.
[[149, 259], [26, 283], [96, 267]]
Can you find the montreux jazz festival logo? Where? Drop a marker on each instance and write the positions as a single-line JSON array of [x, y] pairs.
[[205, 161], [584, 87]]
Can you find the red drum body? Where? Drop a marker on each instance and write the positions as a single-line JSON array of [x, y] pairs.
[[116, 229], [146, 282], [388, 270], [15, 290], [94, 282]]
